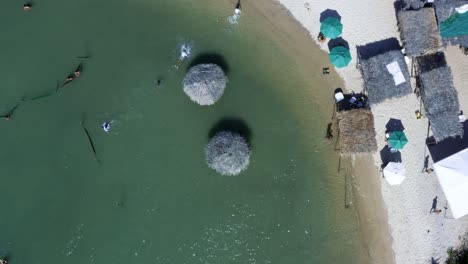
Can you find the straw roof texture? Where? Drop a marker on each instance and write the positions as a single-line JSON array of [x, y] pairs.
[[378, 82], [413, 4], [445, 126], [444, 9], [205, 83], [439, 95], [227, 153], [419, 31], [356, 131]]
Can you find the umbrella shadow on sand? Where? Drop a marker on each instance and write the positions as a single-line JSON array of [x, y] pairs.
[[387, 156], [394, 125], [333, 43], [233, 125], [213, 58], [329, 13]]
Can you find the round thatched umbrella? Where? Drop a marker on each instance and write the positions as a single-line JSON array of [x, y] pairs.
[[227, 153], [205, 83]]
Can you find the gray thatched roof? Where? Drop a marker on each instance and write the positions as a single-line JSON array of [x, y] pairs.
[[444, 9], [356, 131], [378, 82], [445, 126], [227, 153], [439, 95], [205, 83], [419, 31], [413, 4]]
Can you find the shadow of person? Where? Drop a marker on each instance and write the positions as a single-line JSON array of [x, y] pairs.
[[434, 204], [233, 125]]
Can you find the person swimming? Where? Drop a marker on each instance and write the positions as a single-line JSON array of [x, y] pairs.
[[237, 11], [106, 126], [184, 53], [26, 7], [77, 72]]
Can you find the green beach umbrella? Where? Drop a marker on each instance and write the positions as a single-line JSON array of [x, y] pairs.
[[397, 139], [340, 56], [331, 27], [455, 25]]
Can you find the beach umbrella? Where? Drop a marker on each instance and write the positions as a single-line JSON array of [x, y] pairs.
[[394, 173], [331, 27], [455, 25], [228, 153], [205, 83], [397, 140], [394, 125], [340, 56]]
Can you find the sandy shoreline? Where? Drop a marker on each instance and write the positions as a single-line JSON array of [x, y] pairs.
[[416, 235], [375, 235]]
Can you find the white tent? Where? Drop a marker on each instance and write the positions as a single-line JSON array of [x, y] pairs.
[[394, 173], [452, 173]]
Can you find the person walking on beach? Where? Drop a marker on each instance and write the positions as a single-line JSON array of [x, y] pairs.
[[434, 205], [426, 164]]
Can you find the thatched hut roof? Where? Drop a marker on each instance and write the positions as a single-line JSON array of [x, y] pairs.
[[205, 83], [227, 153], [419, 31], [439, 95], [444, 9], [413, 4], [378, 82], [356, 131]]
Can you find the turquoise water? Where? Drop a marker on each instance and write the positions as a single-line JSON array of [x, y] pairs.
[[148, 196]]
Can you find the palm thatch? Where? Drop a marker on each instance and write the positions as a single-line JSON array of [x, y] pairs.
[[419, 31], [356, 131], [378, 82], [444, 9], [413, 4], [227, 153], [439, 95], [205, 83]]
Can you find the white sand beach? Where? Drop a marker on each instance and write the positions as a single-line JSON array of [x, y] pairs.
[[416, 235]]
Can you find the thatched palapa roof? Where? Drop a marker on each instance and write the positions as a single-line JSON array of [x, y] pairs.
[[413, 4], [419, 31], [356, 131], [227, 153], [205, 83], [444, 9], [439, 95], [378, 82]]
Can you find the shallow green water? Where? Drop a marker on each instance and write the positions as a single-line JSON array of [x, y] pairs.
[[152, 199]]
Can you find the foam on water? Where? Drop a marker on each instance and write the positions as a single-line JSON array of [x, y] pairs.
[[234, 19]]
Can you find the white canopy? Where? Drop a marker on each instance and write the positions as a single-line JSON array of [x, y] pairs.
[[395, 70], [462, 9], [452, 173], [394, 173]]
